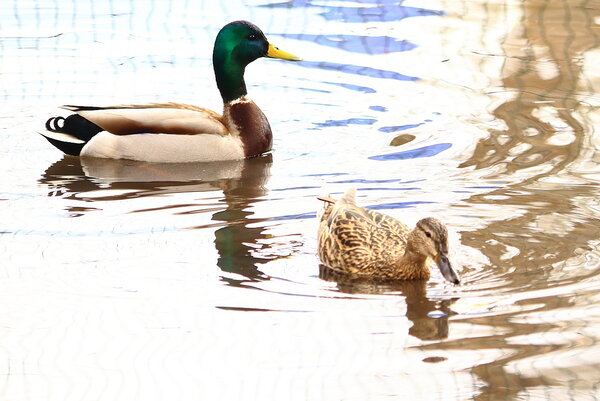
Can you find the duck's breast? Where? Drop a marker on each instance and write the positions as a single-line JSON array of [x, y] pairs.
[[245, 119]]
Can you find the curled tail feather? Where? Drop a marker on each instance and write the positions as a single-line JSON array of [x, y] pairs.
[[349, 197], [70, 134], [331, 204]]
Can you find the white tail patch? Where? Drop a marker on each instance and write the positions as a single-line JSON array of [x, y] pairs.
[[62, 137]]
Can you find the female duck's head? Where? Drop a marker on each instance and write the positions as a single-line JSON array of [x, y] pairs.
[[430, 238], [238, 44]]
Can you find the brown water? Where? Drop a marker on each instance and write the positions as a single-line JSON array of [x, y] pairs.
[[135, 281]]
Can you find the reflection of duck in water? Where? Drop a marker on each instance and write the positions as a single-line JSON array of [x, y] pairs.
[[365, 243], [171, 132], [240, 240], [429, 316], [76, 176]]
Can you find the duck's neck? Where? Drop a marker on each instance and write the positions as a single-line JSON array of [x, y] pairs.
[[412, 264], [229, 75], [241, 116], [413, 267]]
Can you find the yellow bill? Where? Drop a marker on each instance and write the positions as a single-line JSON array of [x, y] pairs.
[[275, 52]]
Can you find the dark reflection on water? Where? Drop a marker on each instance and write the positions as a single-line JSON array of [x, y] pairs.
[[428, 315], [73, 177], [240, 240], [237, 242], [502, 384]]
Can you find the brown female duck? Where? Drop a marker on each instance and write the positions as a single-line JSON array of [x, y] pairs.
[[366, 243]]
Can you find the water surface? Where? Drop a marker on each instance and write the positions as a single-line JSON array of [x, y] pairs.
[[133, 281]]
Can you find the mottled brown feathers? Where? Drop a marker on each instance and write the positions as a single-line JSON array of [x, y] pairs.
[[366, 243]]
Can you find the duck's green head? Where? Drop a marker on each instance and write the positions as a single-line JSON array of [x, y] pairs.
[[238, 44]]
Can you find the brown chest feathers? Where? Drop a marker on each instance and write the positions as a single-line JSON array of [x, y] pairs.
[[244, 118]]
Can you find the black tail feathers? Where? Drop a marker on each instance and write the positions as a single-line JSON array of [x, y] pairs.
[[75, 126]]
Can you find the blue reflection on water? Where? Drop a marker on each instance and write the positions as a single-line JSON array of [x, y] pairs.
[[345, 123], [365, 181], [325, 174], [357, 88], [383, 10], [390, 189], [307, 215], [380, 13], [357, 70], [425, 151], [355, 43], [396, 205], [399, 127], [293, 188], [382, 206]]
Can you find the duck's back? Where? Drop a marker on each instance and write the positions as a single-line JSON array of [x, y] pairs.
[[359, 241]]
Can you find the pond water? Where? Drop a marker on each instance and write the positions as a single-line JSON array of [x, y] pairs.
[[137, 281]]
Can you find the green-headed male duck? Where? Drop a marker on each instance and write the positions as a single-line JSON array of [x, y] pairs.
[[172, 132]]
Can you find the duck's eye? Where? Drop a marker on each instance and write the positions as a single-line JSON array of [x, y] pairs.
[[252, 36], [428, 234]]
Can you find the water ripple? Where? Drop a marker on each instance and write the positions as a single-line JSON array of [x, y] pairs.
[[356, 43], [357, 70]]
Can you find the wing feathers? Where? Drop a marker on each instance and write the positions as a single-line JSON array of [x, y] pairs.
[[163, 118], [358, 240]]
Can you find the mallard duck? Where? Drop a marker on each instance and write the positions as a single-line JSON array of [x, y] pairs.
[[370, 244], [172, 132]]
